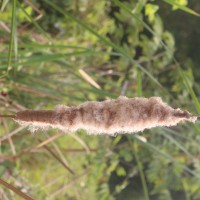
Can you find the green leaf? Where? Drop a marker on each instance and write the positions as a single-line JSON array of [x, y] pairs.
[[180, 3], [181, 7], [121, 171], [150, 11]]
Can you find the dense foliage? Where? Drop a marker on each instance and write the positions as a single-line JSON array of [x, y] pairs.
[[68, 52]]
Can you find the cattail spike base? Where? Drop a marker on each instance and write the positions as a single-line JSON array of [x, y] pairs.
[[7, 116]]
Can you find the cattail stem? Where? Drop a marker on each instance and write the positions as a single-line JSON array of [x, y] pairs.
[[42, 116], [8, 116]]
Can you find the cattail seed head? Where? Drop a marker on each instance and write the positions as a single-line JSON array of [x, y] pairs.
[[123, 115]]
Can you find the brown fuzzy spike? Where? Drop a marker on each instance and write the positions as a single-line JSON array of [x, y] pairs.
[[122, 115]]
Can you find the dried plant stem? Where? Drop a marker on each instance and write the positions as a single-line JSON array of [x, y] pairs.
[[58, 158], [122, 115], [19, 192]]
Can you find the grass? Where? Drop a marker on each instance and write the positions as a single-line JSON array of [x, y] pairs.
[[42, 71], [13, 39]]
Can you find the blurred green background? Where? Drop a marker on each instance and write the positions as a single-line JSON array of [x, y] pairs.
[[68, 52]]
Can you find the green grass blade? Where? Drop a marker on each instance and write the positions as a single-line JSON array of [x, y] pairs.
[[3, 4], [139, 83], [53, 57], [181, 147], [141, 172], [49, 46], [191, 91], [12, 34], [34, 22]]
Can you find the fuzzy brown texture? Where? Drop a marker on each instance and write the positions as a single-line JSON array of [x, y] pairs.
[[123, 115]]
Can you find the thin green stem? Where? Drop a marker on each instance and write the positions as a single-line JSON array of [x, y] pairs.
[[12, 34], [141, 172]]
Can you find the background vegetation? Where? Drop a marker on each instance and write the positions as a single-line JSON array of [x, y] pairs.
[[68, 52]]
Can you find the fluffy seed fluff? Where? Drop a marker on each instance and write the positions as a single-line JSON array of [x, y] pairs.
[[123, 115]]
